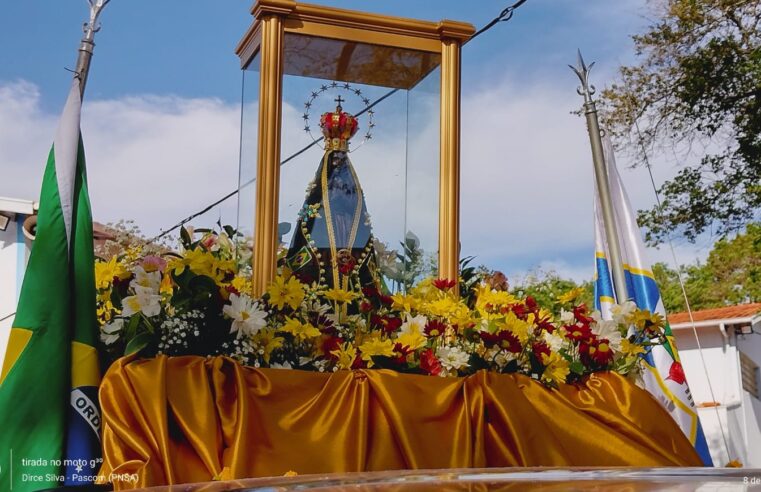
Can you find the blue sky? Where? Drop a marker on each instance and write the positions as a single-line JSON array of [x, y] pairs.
[[162, 111], [186, 47]]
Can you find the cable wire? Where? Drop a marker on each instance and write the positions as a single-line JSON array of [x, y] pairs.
[[659, 209], [503, 16]]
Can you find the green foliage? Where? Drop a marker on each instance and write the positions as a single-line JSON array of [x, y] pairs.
[[546, 287], [697, 86], [730, 275]]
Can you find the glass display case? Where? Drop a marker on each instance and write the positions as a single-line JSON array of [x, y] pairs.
[[349, 168]]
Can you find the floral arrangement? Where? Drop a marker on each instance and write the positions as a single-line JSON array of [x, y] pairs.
[[200, 302]]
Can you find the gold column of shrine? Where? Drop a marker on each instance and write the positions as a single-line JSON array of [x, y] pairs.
[[432, 43]]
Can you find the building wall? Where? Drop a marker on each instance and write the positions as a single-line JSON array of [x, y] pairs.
[[750, 345], [14, 252], [736, 424], [721, 363]]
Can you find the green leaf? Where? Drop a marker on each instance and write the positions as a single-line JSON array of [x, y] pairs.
[[185, 237], [577, 367], [137, 343]]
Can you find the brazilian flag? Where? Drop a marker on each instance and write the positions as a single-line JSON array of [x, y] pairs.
[[50, 420]]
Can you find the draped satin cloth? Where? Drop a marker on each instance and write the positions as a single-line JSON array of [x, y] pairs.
[[187, 419]]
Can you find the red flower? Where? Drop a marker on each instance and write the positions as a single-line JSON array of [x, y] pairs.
[[388, 324], [386, 300], [676, 373], [521, 311], [370, 292], [429, 363], [579, 333], [545, 324], [531, 304], [329, 344], [365, 307], [444, 284], [505, 339], [540, 348], [401, 352], [434, 328], [580, 313], [358, 362], [596, 352]]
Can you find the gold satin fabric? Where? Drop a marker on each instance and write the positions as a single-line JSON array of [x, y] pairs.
[[187, 419]]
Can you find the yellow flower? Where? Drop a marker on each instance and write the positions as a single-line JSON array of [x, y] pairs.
[[242, 285], [166, 284], [520, 328], [266, 340], [444, 308], [489, 299], [301, 331], [405, 303], [221, 269], [105, 272], [557, 368], [285, 291], [642, 318], [340, 295], [374, 346], [346, 353], [200, 262], [105, 309], [630, 348], [412, 339], [571, 296]]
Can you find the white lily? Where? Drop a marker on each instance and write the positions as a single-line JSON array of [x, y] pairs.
[[144, 301], [110, 332], [414, 324], [554, 341], [248, 318], [566, 317], [621, 312], [607, 328], [145, 279]]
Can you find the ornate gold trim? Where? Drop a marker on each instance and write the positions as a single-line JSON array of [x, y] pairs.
[[449, 178], [351, 25], [268, 153], [329, 217]]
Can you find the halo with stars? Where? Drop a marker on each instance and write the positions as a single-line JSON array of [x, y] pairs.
[[347, 87]]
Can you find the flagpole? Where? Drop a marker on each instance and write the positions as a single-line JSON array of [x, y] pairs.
[[87, 45], [601, 176]]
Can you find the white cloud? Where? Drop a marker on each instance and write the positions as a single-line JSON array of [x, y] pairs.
[[526, 175]]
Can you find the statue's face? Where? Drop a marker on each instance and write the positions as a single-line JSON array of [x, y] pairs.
[[338, 158]]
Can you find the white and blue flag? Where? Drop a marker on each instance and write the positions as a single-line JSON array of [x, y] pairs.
[[663, 376]]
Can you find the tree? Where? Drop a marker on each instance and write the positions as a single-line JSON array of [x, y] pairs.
[[696, 91], [545, 287], [730, 275]]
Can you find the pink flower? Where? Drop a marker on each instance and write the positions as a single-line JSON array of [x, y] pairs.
[[153, 263]]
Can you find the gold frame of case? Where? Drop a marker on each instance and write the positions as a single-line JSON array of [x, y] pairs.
[[328, 38]]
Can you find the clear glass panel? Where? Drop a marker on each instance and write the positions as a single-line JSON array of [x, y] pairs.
[[381, 192], [422, 194], [248, 143]]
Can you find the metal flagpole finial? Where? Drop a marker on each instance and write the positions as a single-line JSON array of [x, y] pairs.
[[87, 45], [615, 258], [93, 26], [582, 71]]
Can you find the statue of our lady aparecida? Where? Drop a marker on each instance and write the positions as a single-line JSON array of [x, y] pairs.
[[333, 241]]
